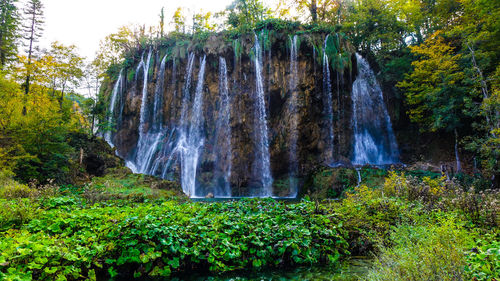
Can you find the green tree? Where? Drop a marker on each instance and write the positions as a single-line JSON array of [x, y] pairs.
[[63, 69], [162, 21], [93, 78], [479, 31], [245, 14], [114, 48], [325, 11], [435, 89], [9, 20]]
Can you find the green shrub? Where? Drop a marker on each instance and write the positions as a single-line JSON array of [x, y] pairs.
[[15, 213], [424, 252], [11, 189], [368, 217]]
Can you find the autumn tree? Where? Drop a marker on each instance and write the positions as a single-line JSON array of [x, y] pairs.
[[203, 22], [435, 89], [179, 20]]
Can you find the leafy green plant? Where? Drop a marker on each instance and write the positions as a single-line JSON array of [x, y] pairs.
[[157, 239], [483, 260]]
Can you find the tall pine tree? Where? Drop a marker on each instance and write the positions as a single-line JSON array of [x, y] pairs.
[[8, 31], [32, 31]]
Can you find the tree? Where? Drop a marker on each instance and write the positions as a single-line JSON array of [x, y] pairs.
[[179, 20], [63, 69], [35, 145], [435, 89], [479, 31], [162, 21], [9, 20], [93, 78], [245, 14], [32, 31], [322, 10], [203, 22], [116, 45], [10, 111]]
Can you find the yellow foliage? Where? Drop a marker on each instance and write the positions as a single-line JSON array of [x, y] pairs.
[[437, 186], [395, 184]]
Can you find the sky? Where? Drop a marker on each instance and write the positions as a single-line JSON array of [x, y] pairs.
[[86, 22]]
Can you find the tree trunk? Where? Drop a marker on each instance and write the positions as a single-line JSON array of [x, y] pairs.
[[457, 157], [484, 89], [314, 11], [30, 53]]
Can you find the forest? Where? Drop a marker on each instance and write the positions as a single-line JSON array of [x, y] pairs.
[[285, 140]]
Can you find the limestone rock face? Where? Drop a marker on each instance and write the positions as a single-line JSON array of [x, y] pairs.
[[310, 109]]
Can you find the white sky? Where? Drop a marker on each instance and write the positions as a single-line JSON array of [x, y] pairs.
[[85, 22]]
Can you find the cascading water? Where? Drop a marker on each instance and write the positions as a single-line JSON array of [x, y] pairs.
[[327, 99], [162, 162], [358, 171], [108, 136], [138, 162], [173, 145], [293, 107], [155, 134], [374, 140], [223, 149], [191, 140], [261, 129]]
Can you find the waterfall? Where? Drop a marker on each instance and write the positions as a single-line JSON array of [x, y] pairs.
[[191, 140], [175, 135], [138, 163], [117, 88], [374, 140], [186, 90], [144, 100], [155, 134], [162, 163], [157, 116], [327, 99], [358, 171], [223, 148], [261, 127], [294, 112]]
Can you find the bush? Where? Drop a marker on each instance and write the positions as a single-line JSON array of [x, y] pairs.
[[424, 252], [447, 195], [368, 217], [15, 213], [11, 189]]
